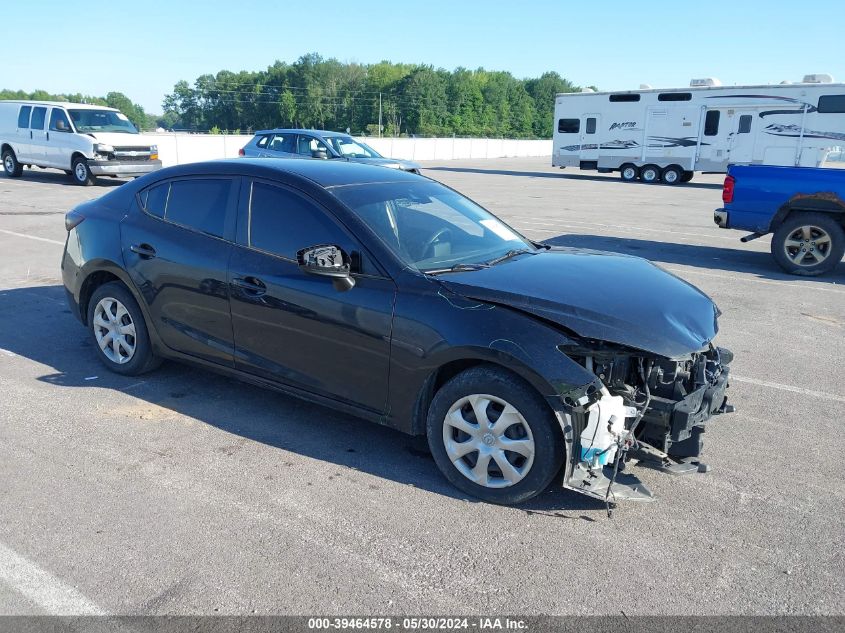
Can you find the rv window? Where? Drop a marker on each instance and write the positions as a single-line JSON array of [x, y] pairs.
[[711, 123], [569, 126], [744, 124], [832, 104], [591, 125], [625, 97], [23, 116], [675, 96]]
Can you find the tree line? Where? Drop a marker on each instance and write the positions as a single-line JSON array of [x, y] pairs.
[[327, 94], [133, 111]]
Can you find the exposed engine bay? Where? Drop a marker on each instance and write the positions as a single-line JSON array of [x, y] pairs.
[[650, 409]]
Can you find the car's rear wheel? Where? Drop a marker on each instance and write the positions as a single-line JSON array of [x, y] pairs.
[[11, 165], [119, 331], [82, 172], [809, 244], [493, 436]]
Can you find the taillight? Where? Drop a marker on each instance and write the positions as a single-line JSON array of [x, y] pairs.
[[73, 219], [241, 152], [728, 190]]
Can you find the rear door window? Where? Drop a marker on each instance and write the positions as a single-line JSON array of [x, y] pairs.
[[38, 117], [199, 204], [23, 117], [285, 143]]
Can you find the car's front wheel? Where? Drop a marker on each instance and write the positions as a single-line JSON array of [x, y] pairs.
[[119, 331], [82, 172], [493, 436]]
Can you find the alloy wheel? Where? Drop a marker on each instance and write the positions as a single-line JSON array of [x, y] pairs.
[[488, 441], [807, 245]]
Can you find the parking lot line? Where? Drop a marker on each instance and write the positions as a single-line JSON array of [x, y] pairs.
[[776, 385], [773, 282], [41, 587], [576, 223], [32, 237]]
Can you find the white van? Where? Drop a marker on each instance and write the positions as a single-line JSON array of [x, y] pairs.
[[84, 140]]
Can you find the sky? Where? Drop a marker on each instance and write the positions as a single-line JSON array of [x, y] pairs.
[[143, 48]]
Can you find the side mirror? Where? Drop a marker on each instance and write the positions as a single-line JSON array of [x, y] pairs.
[[319, 153], [327, 260]]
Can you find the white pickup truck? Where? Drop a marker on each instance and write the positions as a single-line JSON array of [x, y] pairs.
[[83, 140]]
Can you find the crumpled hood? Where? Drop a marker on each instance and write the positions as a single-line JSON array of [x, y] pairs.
[[616, 298], [117, 139]]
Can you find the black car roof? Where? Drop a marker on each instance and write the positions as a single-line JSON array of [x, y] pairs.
[[326, 173]]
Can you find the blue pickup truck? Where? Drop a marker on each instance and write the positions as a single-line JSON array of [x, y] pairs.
[[803, 208]]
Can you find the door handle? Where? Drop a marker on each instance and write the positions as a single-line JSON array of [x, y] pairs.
[[250, 285], [144, 250]]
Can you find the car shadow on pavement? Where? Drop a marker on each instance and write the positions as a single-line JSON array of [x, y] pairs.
[[66, 350], [562, 174], [56, 177], [712, 258]]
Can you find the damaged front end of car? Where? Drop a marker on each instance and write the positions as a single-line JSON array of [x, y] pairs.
[[649, 408]]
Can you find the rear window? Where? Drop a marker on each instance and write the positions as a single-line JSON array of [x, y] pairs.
[[199, 204], [832, 104], [38, 117], [624, 97], [262, 142], [569, 126], [23, 116]]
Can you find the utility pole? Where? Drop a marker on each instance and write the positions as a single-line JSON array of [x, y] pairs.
[[379, 115]]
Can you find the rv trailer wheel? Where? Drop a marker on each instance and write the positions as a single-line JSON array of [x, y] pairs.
[[650, 173], [628, 172], [672, 175], [687, 176]]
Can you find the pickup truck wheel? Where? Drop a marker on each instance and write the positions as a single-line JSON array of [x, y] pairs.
[[628, 172], [493, 437], [672, 175], [809, 244], [11, 165], [650, 173], [82, 173]]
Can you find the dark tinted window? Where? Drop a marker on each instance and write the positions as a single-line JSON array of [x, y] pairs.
[[199, 204], [38, 116], [744, 124], [832, 104], [625, 97], [23, 116], [154, 199], [262, 142], [282, 222], [569, 126], [283, 143], [59, 121], [591, 125], [674, 96], [711, 123]]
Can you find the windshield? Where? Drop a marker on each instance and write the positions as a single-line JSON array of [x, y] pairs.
[[101, 121], [348, 147], [431, 227]]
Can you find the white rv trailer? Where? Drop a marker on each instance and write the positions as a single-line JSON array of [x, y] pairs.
[[670, 134]]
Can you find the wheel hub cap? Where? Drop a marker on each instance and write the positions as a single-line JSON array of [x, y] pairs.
[[488, 441], [807, 246], [114, 330]]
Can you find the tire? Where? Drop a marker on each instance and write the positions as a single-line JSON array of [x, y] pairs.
[[687, 176], [650, 173], [113, 309], [629, 172], [532, 428], [809, 244], [81, 173], [11, 165], [672, 175]]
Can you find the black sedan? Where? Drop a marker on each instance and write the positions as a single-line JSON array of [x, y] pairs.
[[390, 296]]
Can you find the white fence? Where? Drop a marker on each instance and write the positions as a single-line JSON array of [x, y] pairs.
[[175, 149]]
